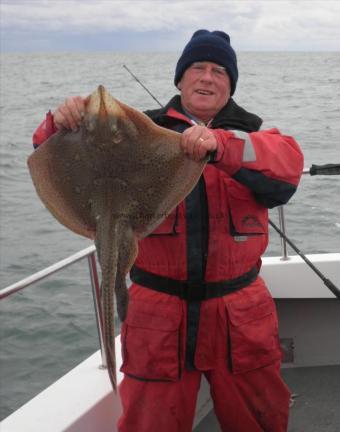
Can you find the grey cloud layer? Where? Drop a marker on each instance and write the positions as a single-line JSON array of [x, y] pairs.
[[252, 24]]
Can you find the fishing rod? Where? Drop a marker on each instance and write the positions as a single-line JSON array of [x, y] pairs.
[[145, 88], [327, 169]]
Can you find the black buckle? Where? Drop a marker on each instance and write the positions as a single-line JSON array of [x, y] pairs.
[[193, 291]]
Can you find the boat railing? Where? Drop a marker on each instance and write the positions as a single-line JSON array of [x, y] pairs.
[[89, 253]]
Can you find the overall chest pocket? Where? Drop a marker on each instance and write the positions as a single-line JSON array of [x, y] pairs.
[[253, 335], [246, 216], [151, 341], [169, 226]]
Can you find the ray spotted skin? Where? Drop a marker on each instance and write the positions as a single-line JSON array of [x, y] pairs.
[[113, 180]]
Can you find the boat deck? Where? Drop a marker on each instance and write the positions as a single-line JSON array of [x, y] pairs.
[[316, 405]]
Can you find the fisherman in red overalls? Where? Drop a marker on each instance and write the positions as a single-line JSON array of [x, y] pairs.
[[197, 305]]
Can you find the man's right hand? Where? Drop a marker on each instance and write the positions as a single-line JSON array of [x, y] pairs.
[[69, 114]]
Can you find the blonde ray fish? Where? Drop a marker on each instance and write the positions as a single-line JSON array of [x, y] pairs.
[[93, 181]]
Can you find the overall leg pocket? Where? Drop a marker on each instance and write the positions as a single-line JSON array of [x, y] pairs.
[[253, 335], [151, 341]]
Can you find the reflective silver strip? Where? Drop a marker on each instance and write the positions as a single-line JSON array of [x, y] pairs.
[[249, 154]]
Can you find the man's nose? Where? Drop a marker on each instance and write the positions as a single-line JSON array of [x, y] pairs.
[[207, 74]]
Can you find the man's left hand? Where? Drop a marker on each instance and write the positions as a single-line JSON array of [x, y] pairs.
[[197, 141]]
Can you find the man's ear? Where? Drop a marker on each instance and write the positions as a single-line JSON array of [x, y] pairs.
[[179, 86]]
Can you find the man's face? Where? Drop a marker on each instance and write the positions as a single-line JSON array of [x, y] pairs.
[[205, 89]]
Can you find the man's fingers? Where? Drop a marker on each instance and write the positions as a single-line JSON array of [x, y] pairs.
[[197, 141], [73, 112], [63, 118], [60, 120], [70, 113], [80, 104], [65, 113], [190, 139], [199, 149], [205, 147]]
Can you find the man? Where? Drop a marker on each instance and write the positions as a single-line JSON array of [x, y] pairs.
[[197, 305]]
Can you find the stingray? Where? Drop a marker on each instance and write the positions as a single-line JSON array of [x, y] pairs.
[[113, 180]]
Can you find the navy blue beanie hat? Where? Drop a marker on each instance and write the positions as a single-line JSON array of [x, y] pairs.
[[209, 46]]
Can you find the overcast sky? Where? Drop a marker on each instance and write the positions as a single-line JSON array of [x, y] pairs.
[[158, 25]]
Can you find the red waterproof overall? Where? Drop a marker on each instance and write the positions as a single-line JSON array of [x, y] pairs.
[[168, 343], [237, 351], [235, 336]]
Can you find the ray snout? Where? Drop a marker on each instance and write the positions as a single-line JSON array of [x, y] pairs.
[[103, 105], [103, 108]]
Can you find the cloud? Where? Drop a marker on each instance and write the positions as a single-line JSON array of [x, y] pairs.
[[167, 25], [107, 15]]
